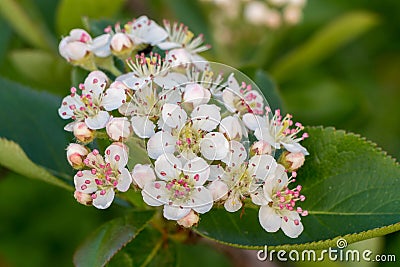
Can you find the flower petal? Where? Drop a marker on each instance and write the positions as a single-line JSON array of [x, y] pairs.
[[218, 189], [173, 115], [175, 213], [142, 174], [233, 203], [295, 147], [69, 104], [95, 83], [259, 198], [206, 117], [216, 172], [168, 45], [231, 127], [85, 182], [167, 167], [170, 80], [198, 170], [101, 45], [113, 98], [289, 227], [214, 146], [237, 154], [124, 180], [268, 219], [201, 200], [116, 155], [104, 201], [160, 143], [260, 166], [143, 127], [98, 121], [155, 194], [254, 122]]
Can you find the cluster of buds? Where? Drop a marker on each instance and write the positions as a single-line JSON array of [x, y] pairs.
[[194, 125]]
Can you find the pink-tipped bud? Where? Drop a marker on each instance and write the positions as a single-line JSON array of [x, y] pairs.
[[76, 154], [292, 161], [189, 220], [119, 129], [83, 198], [195, 95], [75, 47], [82, 133], [142, 174], [261, 148], [121, 43]]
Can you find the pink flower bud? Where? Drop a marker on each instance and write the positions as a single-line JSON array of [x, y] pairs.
[[75, 47], [195, 95], [76, 154], [142, 174], [83, 198], [120, 42], [118, 129], [293, 161], [189, 220], [219, 190], [82, 133], [261, 148]]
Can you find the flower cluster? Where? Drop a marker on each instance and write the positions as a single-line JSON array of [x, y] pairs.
[[194, 125]]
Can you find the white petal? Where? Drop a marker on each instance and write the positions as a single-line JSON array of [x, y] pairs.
[[265, 135], [68, 103], [219, 189], [124, 180], [155, 194], [113, 98], [160, 143], [233, 203], [132, 81], [143, 127], [216, 172], [142, 174], [168, 45], [200, 62], [85, 183], [198, 170], [104, 201], [173, 115], [98, 121], [295, 147], [268, 219], [167, 167], [228, 98], [260, 166], [259, 198], [206, 117], [232, 127], [70, 126], [95, 83], [116, 155], [101, 45], [175, 213], [254, 122], [289, 227], [201, 200], [214, 146], [170, 80], [237, 154], [195, 94], [179, 56]]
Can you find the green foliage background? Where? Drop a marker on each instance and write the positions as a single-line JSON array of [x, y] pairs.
[[329, 72]]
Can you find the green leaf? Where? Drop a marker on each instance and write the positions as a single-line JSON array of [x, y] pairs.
[[30, 118], [351, 190], [71, 12], [109, 238], [29, 28], [37, 64], [323, 43], [15, 159]]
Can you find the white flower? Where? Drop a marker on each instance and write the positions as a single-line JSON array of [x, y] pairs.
[[232, 127], [276, 131], [93, 104], [119, 128], [182, 47], [242, 99], [106, 175], [180, 189], [76, 153], [189, 136], [76, 46], [278, 204], [146, 70], [145, 31], [142, 174]]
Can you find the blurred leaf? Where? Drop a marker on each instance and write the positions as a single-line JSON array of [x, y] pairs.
[[351, 190], [96, 26], [30, 118], [323, 43], [14, 158], [38, 64], [269, 89], [70, 12], [30, 29], [191, 14], [109, 238], [5, 37]]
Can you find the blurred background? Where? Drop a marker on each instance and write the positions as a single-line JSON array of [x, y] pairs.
[[335, 63]]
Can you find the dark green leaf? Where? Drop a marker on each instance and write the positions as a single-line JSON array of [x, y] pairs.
[[351, 190], [30, 118], [109, 238]]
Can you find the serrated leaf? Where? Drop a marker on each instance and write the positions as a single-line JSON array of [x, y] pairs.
[[30, 118], [15, 159], [71, 12], [328, 39], [109, 238], [351, 190]]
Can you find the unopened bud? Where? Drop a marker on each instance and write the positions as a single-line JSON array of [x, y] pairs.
[[142, 174], [76, 153], [292, 161], [119, 129], [82, 133], [189, 220], [261, 148], [121, 43], [83, 198], [195, 95]]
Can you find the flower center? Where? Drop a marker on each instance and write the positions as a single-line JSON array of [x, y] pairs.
[[286, 200], [180, 188], [189, 139]]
